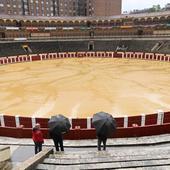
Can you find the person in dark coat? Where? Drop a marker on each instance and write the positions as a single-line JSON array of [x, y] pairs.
[[102, 138], [37, 137], [57, 139]]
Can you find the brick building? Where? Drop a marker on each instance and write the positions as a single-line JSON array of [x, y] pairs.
[[61, 7], [11, 7], [107, 7]]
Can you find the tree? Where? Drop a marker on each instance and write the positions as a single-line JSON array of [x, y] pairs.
[[156, 8]]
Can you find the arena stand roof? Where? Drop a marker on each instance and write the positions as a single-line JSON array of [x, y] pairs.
[[42, 18]]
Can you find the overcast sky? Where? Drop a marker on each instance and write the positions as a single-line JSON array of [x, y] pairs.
[[141, 4]]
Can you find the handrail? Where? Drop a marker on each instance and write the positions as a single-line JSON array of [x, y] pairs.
[[32, 162], [57, 38]]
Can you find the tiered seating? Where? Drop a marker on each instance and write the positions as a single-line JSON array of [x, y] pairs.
[[15, 48], [117, 158], [138, 45], [11, 49], [165, 48]]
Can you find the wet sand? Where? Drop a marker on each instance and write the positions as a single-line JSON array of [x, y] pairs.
[[82, 87]]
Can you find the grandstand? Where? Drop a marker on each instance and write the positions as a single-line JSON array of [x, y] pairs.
[[123, 25], [51, 46]]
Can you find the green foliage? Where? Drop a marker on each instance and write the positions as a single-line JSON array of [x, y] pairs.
[[155, 8]]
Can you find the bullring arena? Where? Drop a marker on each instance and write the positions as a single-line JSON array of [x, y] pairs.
[[81, 66], [99, 62]]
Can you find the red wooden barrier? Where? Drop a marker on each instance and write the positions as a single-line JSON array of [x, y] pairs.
[[120, 122], [9, 121], [82, 123], [35, 58], [76, 134], [26, 121], [151, 119], [43, 122], [134, 120], [166, 117]]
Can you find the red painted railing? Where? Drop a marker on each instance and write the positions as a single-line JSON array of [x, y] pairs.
[[154, 124]]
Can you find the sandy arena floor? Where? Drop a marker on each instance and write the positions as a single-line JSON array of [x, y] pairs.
[[81, 87]]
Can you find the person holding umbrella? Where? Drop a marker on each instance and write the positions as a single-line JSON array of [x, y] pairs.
[[102, 138], [104, 124], [57, 139], [58, 125]]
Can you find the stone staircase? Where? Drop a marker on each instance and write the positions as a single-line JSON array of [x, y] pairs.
[[138, 158]]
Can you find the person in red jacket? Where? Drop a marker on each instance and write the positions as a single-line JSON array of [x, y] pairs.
[[37, 137]]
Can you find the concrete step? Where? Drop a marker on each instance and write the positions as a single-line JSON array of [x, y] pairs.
[[145, 158], [149, 168], [95, 160], [112, 153], [114, 165]]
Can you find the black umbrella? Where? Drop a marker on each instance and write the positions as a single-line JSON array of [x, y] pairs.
[[104, 123], [59, 123]]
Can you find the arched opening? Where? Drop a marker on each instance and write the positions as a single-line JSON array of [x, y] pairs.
[[19, 23], [77, 23], [156, 20], [27, 23], [168, 19], [59, 24], [53, 24], [142, 21], [91, 46], [89, 23], [149, 21], [136, 21], [112, 23], [41, 24], [14, 23], [162, 20], [46, 24], [118, 22], [106, 23], [34, 24], [65, 24], [2, 23], [83, 23], [100, 23], [92, 23], [8, 23]]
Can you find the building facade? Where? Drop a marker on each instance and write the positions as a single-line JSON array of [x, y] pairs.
[[60, 7], [11, 7], [107, 7]]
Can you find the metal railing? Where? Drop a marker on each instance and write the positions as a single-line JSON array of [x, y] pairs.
[[119, 37]]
